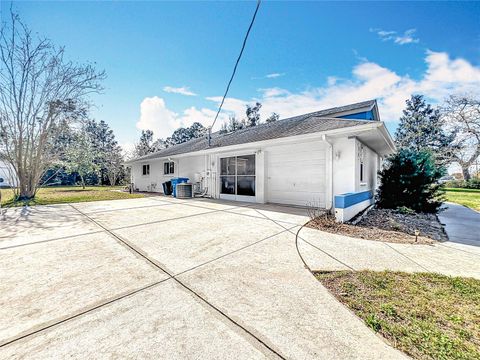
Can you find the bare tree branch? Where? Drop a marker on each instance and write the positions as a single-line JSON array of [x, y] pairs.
[[39, 89]]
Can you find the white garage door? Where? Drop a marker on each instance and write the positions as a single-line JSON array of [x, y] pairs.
[[296, 174]]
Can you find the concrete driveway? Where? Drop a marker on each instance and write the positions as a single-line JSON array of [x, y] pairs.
[[166, 278]]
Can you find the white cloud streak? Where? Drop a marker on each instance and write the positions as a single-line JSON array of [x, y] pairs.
[[274, 75], [184, 90], [408, 37]]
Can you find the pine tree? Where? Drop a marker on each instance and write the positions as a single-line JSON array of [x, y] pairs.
[[421, 128], [144, 146], [274, 117], [104, 142], [253, 115], [410, 179]]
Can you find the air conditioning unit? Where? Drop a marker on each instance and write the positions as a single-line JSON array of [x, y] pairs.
[[184, 190]]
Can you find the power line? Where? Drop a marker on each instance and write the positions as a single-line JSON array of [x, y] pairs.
[[234, 69]]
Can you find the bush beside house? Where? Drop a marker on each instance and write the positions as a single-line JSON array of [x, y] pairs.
[[410, 180]]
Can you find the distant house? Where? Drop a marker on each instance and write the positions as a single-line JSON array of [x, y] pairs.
[[7, 175], [329, 157]]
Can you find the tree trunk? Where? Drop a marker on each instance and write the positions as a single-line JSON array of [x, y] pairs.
[[466, 173], [27, 187], [83, 182]]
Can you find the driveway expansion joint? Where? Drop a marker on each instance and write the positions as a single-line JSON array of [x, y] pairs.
[[183, 285]]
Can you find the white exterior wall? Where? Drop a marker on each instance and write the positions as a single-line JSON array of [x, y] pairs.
[[370, 168], [184, 167], [343, 165], [286, 172]]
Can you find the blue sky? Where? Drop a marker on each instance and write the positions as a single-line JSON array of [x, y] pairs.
[[168, 62]]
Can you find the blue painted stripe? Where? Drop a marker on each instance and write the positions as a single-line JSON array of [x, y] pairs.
[[349, 199], [365, 115]]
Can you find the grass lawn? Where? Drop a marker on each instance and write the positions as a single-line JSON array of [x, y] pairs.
[[467, 197], [67, 194], [428, 316]]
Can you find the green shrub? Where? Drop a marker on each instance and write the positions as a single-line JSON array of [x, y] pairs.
[[473, 184], [410, 180], [470, 184]]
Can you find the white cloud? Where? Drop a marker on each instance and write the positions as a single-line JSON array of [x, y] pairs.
[[155, 116], [269, 76], [274, 75], [271, 92], [408, 37], [184, 90], [373, 81], [443, 76]]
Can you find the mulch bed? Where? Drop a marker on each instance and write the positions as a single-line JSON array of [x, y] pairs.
[[386, 225]]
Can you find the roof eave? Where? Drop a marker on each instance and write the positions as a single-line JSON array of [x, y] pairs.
[[340, 131]]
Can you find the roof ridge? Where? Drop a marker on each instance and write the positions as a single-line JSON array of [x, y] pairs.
[[281, 128]]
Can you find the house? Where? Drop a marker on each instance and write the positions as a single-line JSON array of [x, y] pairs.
[[7, 175], [328, 158]]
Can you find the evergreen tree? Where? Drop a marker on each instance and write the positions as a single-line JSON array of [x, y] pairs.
[[274, 117], [104, 142], [253, 114], [144, 146], [80, 157], [421, 128], [182, 135], [410, 179]]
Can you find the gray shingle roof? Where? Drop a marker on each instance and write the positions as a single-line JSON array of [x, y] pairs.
[[299, 125]]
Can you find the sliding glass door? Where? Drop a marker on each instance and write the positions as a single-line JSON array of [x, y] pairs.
[[237, 178]]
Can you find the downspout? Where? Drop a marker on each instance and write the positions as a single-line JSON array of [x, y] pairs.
[[330, 179]]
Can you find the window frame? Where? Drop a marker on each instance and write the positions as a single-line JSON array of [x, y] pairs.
[[238, 176], [168, 168], [145, 169], [362, 171]]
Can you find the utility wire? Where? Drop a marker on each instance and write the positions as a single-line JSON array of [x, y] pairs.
[[235, 68]]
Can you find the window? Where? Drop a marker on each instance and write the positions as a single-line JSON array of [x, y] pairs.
[[361, 172], [237, 175], [168, 168], [146, 169]]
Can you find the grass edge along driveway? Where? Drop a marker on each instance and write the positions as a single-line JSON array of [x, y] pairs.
[[426, 315], [69, 194], [466, 197]]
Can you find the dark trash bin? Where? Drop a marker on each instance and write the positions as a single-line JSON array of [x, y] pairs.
[[167, 188]]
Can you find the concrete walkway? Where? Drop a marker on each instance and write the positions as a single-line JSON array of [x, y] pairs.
[[458, 257], [461, 224], [168, 279]]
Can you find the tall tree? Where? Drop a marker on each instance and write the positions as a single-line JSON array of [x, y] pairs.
[[104, 143], [462, 116], [253, 114], [233, 125], [80, 156], [181, 135], [272, 118], [421, 128], [144, 146], [39, 88], [114, 165], [410, 178]]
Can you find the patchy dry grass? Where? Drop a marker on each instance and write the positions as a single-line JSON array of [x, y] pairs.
[[428, 316], [69, 194], [466, 197]]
